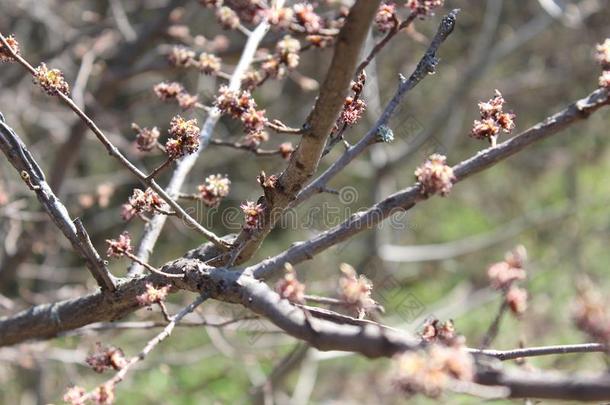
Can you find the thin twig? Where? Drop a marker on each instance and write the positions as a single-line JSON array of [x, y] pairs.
[[159, 168], [494, 327], [152, 325], [120, 375], [541, 351], [279, 127], [377, 48], [151, 268], [241, 146]]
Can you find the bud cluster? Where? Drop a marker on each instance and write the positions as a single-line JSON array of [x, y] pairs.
[[423, 8], [386, 18], [215, 188], [503, 276], [5, 54], [431, 370], [184, 137], [252, 212], [590, 313], [307, 18], [353, 106], [51, 81], [286, 58], [355, 291], [243, 107], [493, 120], [183, 57], [289, 287], [104, 358], [175, 91], [153, 295], [119, 247], [435, 176], [142, 202], [146, 139]]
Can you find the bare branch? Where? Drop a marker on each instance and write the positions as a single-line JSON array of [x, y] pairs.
[[541, 351], [241, 146], [21, 158]]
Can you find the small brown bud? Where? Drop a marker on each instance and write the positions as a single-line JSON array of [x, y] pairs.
[[252, 212], [119, 247]]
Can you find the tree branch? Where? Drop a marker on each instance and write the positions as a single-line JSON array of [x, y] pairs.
[[426, 66], [304, 161], [153, 229], [541, 351], [114, 152], [370, 340], [48, 320], [405, 199], [31, 173]]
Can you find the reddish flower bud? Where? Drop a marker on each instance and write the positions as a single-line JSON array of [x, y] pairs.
[[104, 358], [5, 54], [602, 54], [227, 18], [386, 17], [252, 212], [423, 8], [516, 298], [215, 188], [306, 17], [288, 287], [184, 137], [286, 150], [209, 64], [119, 247], [153, 295], [435, 176], [355, 291], [181, 56], [146, 139]]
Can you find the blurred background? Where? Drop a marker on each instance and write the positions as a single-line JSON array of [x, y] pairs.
[[430, 262]]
